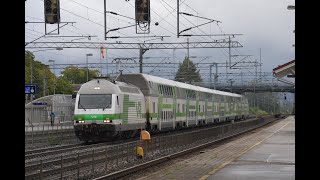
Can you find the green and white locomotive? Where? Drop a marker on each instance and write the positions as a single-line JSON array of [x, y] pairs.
[[106, 109]]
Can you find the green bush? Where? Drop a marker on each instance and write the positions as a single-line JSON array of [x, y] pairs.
[[257, 112]]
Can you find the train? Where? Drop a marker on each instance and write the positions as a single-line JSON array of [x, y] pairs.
[[106, 109]]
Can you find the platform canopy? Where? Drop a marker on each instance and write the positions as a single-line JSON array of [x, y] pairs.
[[285, 70]]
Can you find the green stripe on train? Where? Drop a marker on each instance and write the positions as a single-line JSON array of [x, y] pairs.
[[168, 106], [126, 105], [96, 116], [178, 114], [153, 115]]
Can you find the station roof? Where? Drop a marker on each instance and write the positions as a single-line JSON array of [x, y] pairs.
[[284, 69]]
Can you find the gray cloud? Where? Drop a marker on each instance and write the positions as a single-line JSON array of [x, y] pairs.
[[265, 24]]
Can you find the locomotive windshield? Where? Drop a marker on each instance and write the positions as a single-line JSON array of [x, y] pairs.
[[94, 101]]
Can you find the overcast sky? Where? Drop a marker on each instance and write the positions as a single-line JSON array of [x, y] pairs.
[[265, 24]]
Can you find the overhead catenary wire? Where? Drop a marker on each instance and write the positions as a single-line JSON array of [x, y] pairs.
[[202, 30], [118, 19], [174, 9], [159, 25], [224, 50], [99, 25]]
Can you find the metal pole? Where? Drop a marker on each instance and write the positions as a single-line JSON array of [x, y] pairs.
[[87, 68], [44, 80], [177, 18], [54, 72], [260, 65], [255, 81], [31, 95], [107, 61], [227, 71], [216, 76], [188, 51], [188, 60], [231, 85], [174, 61], [140, 59], [241, 79], [256, 70], [105, 21], [210, 76], [229, 53], [100, 66]]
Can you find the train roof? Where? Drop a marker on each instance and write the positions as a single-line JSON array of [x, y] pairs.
[[185, 85], [103, 86]]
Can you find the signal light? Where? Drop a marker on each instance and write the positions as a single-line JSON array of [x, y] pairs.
[[52, 11], [142, 10]]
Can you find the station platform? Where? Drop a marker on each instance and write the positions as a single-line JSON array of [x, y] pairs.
[[265, 153]]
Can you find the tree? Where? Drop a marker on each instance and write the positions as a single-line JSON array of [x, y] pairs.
[[63, 86], [187, 75], [38, 75], [78, 75], [28, 56]]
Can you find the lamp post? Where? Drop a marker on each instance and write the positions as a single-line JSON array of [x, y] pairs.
[[54, 80], [292, 7], [87, 65], [31, 95]]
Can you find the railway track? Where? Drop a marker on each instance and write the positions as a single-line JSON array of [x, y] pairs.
[[59, 149], [43, 151], [46, 151], [36, 140], [138, 168], [55, 162]]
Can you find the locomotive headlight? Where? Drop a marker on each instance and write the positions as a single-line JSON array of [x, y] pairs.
[[107, 120]]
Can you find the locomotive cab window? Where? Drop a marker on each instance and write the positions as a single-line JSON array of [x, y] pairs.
[[95, 101]]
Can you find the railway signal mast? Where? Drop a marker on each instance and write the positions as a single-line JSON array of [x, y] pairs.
[[142, 12], [51, 13]]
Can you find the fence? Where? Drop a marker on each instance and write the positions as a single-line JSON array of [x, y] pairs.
[[111, 158]]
